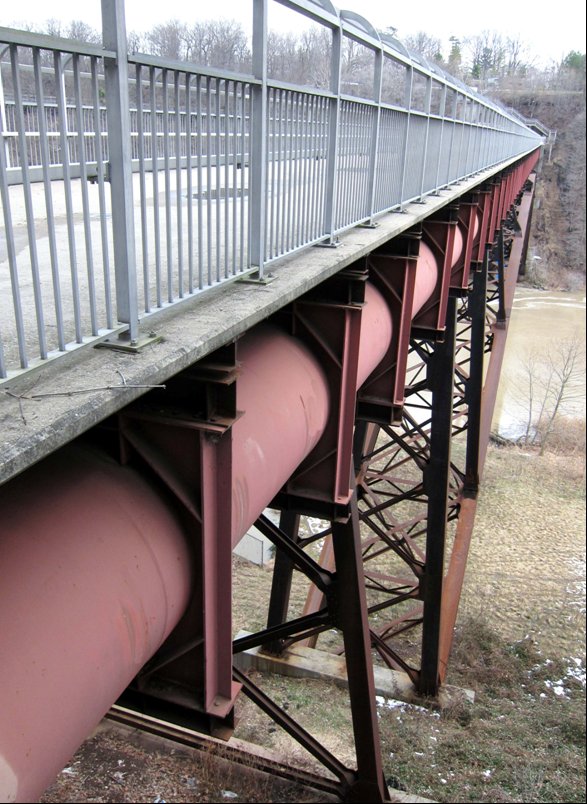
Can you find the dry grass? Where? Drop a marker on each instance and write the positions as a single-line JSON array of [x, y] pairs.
[[522, 739]]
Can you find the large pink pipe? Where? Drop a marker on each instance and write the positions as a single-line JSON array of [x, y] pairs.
[[94, 575], [426, 278], [457, 247], [376, 331], [94, 561], [283, 392]]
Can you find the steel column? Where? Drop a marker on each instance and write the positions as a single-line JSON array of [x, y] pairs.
[[289, 523], [501, 313], [216, 474], [474, 387], [436, 480], [352, 618]]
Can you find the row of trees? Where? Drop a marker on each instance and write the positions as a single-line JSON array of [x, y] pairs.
[[487, 59]]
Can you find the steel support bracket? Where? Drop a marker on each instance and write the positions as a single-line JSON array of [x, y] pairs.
[[328, 320], [439, 232], [392, 269], [331, 243], [254, 278], [467, 220], [184, 435]]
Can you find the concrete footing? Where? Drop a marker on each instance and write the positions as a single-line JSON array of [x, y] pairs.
[[303, 662]]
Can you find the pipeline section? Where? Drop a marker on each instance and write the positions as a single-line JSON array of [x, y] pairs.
[[95, 565]]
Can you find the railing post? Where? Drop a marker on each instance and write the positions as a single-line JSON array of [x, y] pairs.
[[3, 122], [408, 105], [469, 123], [374, 158], [119, 157], [442, 115], [258, 139], [333, 126], [455, 103], [427, 106]]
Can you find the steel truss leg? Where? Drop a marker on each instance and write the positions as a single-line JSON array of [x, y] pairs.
[[345, 608], [474, 389], [436, 480], [352, 619], [289, 523], [501, 311]]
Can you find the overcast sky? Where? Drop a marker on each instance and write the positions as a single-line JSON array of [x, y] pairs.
[[550, 30]]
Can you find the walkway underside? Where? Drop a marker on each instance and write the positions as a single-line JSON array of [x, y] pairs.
[[352, 389]]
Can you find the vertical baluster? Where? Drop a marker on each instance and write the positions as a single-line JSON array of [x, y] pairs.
[[101, 179]]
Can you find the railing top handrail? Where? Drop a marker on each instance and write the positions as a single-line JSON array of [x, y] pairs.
[[322, 11], [148, 60], [15, 36]]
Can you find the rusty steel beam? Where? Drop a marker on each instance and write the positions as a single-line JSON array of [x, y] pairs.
[[352, 618], [436, 479], [289, 524], [458, 559], [474, 387], [235, 750]]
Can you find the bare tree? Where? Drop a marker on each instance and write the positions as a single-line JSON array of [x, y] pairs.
[[566, 373], [168, 40], [82, 32], [486, 55], [282, 57], [357, 70], [429, 46], [552, 382], [229, 45], [315, 50]]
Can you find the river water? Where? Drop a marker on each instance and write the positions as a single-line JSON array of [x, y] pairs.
[[540, 320]]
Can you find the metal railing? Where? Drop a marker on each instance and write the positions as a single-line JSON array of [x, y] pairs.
[[130, 183]]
